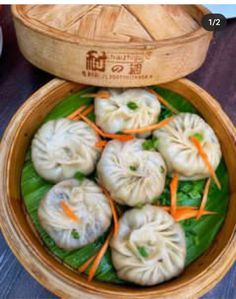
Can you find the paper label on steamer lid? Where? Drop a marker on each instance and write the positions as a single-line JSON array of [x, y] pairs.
[[108, 65]]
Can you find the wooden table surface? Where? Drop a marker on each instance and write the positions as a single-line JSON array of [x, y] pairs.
[[19, 79]]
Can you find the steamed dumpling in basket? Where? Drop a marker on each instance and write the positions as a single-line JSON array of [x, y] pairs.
[[149, 248], [132, 175], [126, 109], [74, 213], [63, 147], [180, 153]]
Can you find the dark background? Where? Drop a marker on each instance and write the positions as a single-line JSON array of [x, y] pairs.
[[19, 79]]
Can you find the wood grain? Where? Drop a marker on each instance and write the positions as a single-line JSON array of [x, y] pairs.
[[113, 45], [115, 22]]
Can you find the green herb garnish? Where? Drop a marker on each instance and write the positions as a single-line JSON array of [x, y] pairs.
[[142, 251], [75, 234], [139, 205], [198, 136], [79, 176], [162, 168], [147, 145], [156, 142], [133, 167], [150, 144], [132, 105]]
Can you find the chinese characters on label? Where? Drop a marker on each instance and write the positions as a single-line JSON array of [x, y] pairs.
[[100, 64], [96, 62]]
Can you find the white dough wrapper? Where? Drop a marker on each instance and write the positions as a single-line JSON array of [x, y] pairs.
[[180, 153], [150, 247], [132, 175], [63, 147], [127, 109], [87, 202]]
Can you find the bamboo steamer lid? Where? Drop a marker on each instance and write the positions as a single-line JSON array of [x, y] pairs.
[[113, 45]]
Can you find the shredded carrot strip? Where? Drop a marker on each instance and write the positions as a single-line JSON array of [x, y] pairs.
[[163, 101], [85, 265], [118, 136], [103, 134], [92, 125], [84, 112], [99, 257], [101, 143], [88, 110], [187, 214], [204, 157], [113, 209], [68, 211], [179, 208], [149, 128], [76, 112], [173, 194], [100, 94], [204, 198]]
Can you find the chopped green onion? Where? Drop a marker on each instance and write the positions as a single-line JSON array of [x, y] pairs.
[[150, 144], [142, 251], [156, 142], [162, 169], [147, 145], [132, 105], [79, 176], [75, 234], [139, 205], [133, 167], [198, 136]]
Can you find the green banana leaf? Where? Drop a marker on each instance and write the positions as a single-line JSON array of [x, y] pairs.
[[199, 233]]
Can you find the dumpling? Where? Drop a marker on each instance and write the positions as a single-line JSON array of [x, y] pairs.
[[63, 147], [127, 109], [86, 201], [132, 175], [150, 247], [180, 153]]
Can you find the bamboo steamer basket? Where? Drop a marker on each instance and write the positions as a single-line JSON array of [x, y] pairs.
[[197, 278], [113, 45]]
